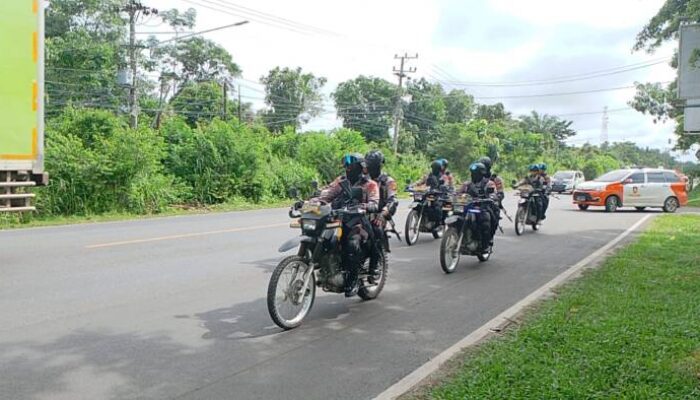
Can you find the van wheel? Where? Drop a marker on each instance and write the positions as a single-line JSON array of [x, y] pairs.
[[611, 204], [583, 207], [640, 208], [671, 205]]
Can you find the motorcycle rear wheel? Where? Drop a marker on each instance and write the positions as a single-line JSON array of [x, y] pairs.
[[286, 309], [371, 290]]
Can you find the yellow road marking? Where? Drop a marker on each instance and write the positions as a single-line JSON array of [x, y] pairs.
[[183, 236]]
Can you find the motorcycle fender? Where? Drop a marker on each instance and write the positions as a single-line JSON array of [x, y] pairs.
[[294, 242]]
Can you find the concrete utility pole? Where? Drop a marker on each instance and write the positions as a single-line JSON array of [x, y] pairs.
[[240, 119], [135, 10], [225, 86], [398, 112]]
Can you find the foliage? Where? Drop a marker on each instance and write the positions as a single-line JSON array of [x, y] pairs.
[[626, 330], [293, 97], [366, 104], [199, 102], [553, 127]]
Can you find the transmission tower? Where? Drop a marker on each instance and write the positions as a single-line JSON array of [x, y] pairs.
[[604, 127]]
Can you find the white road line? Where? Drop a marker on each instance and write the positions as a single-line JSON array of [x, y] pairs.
[[415, 377]]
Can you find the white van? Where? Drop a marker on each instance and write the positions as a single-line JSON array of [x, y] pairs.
[[567, 181]]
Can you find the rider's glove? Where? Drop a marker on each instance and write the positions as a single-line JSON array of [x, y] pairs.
[[372, 208]]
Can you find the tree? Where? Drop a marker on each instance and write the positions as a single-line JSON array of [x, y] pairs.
[[552, 127], [460, 106], [492, 112], [293, 97], [655, 99], [84, 50], [366, 104], [425, 112], [196, 60], [199, 101]]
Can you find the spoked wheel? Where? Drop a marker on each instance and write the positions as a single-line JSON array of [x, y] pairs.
[[287, 301], [449, 251], [520, 221], [412, 227], [373, 285]]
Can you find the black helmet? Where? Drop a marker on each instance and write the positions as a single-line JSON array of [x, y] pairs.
[[478, 172], [354, 165], [487, 163], [375, 160], [436, 167], [444, 162]]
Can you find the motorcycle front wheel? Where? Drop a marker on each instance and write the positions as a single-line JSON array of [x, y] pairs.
[[520, 221], [412, 227], [449, 251], [287, 305]]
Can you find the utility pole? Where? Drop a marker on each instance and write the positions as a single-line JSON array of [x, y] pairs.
[[398, 112], [135, 10]]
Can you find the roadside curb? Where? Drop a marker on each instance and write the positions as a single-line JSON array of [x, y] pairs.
[[496, 324]]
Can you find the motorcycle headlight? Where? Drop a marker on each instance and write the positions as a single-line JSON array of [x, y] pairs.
[[308, 225]]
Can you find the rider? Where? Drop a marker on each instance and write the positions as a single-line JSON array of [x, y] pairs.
[[438, 176], [388, 203], [498, 183], [537, 182], [547, 186], [481, 186], [355, 168]]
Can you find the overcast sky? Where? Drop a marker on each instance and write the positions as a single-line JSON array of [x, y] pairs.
[[458, 41]]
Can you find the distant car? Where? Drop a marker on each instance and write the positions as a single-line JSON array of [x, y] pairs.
[[566, 181], [639, 188]]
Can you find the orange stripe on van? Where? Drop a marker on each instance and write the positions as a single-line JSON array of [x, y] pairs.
[[35, 46], [681, 192], [35, 6], [35, 96]]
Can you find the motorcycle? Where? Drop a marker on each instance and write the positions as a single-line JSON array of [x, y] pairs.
[[527, 209], [463, 236], [319, 262], [428, 212]]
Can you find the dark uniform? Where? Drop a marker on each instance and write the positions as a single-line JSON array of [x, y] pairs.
[[481, 186], [356, 233]]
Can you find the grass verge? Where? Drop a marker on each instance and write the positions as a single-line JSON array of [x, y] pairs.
[[694, 197], [627, 330], [12, 221]]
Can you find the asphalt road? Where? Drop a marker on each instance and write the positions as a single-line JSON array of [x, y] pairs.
[[174, 308]]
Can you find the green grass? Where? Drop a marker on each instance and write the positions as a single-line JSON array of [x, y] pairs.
[[628, 330], [13, 221], [694, 197]]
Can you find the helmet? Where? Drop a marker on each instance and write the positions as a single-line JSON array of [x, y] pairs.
[[534, 167], [436, 167], [444, 162], [354, 165], [478, 171], [487, 163], [543, 167], [374, 160]]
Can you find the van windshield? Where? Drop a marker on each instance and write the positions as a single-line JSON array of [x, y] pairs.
[[564, 175], [613, 176]]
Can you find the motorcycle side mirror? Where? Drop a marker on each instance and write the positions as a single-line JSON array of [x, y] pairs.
[[408, 181], [314, 185], [513, 182], [293, 193]]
